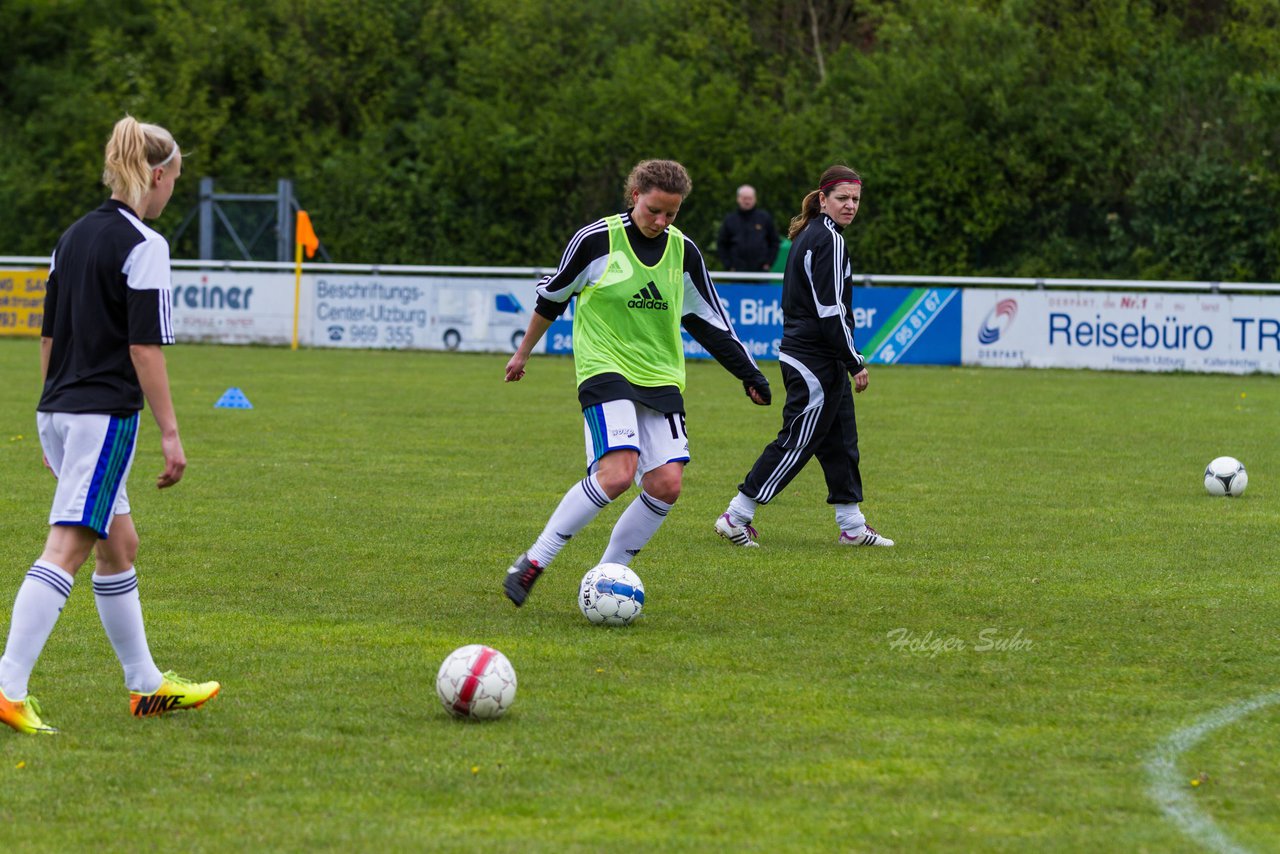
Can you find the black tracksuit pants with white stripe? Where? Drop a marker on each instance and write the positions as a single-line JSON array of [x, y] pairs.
[[817, 420]]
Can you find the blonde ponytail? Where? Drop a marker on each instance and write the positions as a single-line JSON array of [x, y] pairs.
[[132, 152]]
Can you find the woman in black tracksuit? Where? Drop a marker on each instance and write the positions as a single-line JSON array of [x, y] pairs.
[[817, 357]]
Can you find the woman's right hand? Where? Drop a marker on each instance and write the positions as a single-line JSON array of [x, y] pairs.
[[515, 368]]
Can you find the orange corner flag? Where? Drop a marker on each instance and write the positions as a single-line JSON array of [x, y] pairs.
[[307, 235]]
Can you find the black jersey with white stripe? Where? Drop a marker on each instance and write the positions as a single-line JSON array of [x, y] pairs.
[[817, 295], [584, 263], [109, 287]]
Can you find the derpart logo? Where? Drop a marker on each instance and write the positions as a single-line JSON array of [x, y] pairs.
[[997, 321]]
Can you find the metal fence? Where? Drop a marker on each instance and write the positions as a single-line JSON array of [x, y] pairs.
[[869, 279]]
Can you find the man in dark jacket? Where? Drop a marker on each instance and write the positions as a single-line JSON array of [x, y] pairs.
[[748, 240]]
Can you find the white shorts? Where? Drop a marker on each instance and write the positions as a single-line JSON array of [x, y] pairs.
[[620, 424], [90, 455]]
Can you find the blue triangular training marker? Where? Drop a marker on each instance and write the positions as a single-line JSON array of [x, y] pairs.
[[233, 398]]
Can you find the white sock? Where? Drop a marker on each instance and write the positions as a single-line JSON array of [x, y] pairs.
[[634, 528], [741, 510], [850, 518], [578, 507], [120, 608], [35, 612]]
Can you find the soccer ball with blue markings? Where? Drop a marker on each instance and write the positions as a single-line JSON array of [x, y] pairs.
[[1226, 476], [611, 594]]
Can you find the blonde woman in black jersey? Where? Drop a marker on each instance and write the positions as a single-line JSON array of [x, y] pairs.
[[106, 317]]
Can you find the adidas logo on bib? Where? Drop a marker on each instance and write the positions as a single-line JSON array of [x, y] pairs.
[[648, 297]]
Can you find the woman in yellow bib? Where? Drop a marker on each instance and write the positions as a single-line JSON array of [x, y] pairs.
[[637, 280]]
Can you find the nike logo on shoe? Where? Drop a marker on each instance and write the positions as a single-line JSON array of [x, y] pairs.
[[156, 705]]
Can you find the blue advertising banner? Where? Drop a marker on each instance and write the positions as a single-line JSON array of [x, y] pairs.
[[559, 337], [756, 313], [919, 326]]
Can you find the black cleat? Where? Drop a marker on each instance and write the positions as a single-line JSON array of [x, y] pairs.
[[520, 578]]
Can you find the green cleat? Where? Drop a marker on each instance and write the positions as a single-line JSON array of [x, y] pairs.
[[24, 715]]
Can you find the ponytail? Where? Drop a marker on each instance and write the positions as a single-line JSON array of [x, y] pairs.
[[812, 204], [133, 151], [808, 210]]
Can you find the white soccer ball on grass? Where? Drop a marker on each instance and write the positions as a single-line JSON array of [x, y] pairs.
[[1226, 476], [477, 682], [611, 594]]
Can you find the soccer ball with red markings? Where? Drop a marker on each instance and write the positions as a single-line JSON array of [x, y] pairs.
[[1226, 476], [477, 682], [611, 594]]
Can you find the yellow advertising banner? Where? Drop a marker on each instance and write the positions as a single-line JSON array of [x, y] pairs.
[[22, 302]]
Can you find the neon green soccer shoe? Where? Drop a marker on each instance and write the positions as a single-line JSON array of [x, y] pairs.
[[174, 694], [24, 715]]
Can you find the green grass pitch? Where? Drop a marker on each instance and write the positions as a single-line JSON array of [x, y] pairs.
[[1074, 594]]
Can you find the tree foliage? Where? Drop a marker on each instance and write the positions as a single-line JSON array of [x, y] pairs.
[[1126, 138]]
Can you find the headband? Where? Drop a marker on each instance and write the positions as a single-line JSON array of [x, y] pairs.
[[835, 181], [165, 162]]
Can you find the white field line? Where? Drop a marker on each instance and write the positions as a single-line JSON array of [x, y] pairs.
[[1170, 791]]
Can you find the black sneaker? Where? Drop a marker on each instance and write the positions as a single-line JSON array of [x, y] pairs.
[[520, 578]]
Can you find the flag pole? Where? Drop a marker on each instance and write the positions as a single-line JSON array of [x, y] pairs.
[[297, 288], [304, 236]]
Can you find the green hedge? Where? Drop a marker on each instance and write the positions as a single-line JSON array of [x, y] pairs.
[[1028, 137]]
